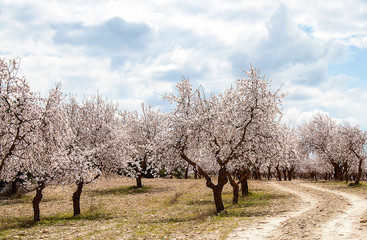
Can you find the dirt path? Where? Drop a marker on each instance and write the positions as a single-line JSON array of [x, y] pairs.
[[319, 213], [346, 225]]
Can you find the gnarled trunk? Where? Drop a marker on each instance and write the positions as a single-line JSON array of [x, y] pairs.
[[76, 198], [36, 202], [235, 188], [218, 199], [217, 189], [243, 176]]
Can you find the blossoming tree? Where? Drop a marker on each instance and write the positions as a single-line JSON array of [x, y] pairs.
[[89, 152], [17, 117], [212, 132]]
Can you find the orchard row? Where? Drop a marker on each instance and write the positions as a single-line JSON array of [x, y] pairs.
[[224, 138]]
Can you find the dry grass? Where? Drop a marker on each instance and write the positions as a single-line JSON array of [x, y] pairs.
[[112, 209], [360, 189]]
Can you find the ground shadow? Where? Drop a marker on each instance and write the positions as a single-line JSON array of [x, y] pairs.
[[124, 190], [27, 222]]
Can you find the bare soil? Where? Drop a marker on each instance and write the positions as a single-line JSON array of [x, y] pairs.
[[321, 211], [184, 209]]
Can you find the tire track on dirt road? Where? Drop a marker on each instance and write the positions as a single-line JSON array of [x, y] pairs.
[[266, 229], [346, 225], [319, 214]]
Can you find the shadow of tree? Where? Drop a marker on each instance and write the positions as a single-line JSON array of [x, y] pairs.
[[26, 222], [125, 190]]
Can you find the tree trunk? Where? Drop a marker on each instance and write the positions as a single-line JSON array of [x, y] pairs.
[[338, 174], [14, 187], [235, 193], [335, 175], [235, 188], [279, 173], [36, 202], [359, 174], [244, 187], [143, 166], [259, 173], [345, 172], [243, 175], [217, 191], [76, 198], [195, 173], [254, 175], [187, 172], [269, 172], [138, 181], [290, 174]]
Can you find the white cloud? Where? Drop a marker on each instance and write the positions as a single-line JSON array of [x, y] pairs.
[[294, 116], [293, 43], [331, 19]]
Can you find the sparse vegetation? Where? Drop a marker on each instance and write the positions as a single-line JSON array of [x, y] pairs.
[[163, 208], [343, 186]]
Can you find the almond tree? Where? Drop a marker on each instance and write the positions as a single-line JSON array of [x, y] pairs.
[[92, 123], [312, 167], [145, 133], [47, 150], [329, 141], [213, 131], [356, 140], [272, 151], [267, 150], [255, 153], [292, 154], [320, 137], [17, 117], [284, 151], [238, 173]]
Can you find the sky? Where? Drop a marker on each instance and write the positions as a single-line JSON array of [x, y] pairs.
[[137, 51]]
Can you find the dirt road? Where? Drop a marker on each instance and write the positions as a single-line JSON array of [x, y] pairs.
[[319, 213]]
